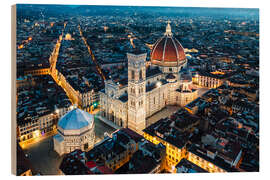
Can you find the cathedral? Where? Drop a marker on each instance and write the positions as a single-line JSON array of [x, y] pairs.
[[148, 90]]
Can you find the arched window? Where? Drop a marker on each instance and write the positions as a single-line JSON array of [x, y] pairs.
[[132, 74], [140, 74]]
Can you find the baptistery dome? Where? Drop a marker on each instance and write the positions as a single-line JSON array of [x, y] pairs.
[[76, 119], [75, 131], [168, 51]]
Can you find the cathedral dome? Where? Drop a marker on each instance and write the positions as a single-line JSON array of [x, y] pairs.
[[168, 51], [75, 119]]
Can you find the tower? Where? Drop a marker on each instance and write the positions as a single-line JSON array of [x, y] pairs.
[[136, 92]]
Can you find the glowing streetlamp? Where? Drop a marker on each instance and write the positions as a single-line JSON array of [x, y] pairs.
[[210, 165], [172, 169], [71, 107], [158, 84], [36, 133], [95, 104]]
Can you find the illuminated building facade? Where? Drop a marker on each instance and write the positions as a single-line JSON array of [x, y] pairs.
[[29, 129], [148, 90], [173, 133], [25, 81], [36, 72], [35, 128], [211, 155], [207, 81], [75, 131], [224, 156]]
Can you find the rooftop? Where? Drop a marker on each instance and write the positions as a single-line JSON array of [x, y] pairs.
[[175, 129], [189, 167], [75, 119]]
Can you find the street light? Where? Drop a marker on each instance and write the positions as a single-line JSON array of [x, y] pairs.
[[71, 107], [95, 104], [158, 84]]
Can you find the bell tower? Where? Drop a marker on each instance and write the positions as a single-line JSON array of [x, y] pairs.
[[136, 92]]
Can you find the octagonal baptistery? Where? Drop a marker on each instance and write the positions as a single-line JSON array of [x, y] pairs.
[[75, 131], [168, 53]]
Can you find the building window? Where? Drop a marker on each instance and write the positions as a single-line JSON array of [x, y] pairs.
[[132, 74], [140, 74]]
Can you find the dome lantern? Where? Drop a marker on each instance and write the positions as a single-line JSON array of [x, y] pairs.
[[168, 29]]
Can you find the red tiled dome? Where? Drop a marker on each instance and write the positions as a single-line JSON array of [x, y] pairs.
[[167, 50]]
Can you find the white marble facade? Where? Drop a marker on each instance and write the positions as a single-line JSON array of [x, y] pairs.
[[75, 131], [149, 90]]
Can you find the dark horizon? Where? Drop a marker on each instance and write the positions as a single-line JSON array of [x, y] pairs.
[[163, 10]]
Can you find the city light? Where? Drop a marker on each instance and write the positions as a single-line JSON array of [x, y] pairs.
[[158, 84], [63, 65], [210, 165], [95, 104], [20, 46], [36, 133]]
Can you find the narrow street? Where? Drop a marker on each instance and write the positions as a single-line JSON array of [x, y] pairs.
[[58, 78], [99, 70]]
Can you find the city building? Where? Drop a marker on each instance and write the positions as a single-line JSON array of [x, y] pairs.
[[39, 108], [207, 80], [215, 154], [24, 81], [148, 90], [148, 159], [185, 166], [124, 152], [113, 152], [174, 133], [73, 163], [75, 131]]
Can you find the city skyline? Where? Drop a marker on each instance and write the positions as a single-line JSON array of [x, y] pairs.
[[182, 83]]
